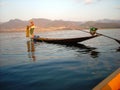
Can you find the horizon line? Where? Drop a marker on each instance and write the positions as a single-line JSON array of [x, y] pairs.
[[58, 19]]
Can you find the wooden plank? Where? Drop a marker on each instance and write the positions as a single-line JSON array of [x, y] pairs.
[[112, 82]]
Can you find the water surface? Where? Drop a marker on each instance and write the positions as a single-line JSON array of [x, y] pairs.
[[41, 66]]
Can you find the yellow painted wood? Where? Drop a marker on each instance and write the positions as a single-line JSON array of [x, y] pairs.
[[27, 31], [112, 82]]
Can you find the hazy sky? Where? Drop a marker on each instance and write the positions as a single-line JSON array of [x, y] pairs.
[[76, 10]]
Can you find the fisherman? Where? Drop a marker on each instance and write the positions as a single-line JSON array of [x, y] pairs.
[[93, 31], [31, 28]]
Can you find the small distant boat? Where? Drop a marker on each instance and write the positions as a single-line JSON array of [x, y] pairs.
[[63, 40], [112, 82]]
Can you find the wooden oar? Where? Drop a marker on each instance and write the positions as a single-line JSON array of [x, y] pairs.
[[104, 36], [27, 31], [109, 37]]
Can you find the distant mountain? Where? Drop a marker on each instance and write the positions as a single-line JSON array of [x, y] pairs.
[[46, 24], [108, 21], [13, 24], [101, 24]]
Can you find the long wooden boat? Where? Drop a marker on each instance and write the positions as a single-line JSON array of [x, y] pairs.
[[63, 41], [112, 82]]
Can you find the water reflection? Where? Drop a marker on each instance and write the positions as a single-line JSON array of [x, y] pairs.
[[84, 49], [94, 54], [118, 50], [31, 50]]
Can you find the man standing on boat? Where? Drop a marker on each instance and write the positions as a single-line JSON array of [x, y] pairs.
[[93, 31], [31, 28]]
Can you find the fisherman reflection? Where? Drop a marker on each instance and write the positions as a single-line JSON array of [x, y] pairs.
[[31, 50]]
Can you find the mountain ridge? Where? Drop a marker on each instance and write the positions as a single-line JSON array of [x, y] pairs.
[[47, 24]]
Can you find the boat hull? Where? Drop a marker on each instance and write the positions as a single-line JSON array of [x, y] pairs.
[[64, 41], [112, 82]]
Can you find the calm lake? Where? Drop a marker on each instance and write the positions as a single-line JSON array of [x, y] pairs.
[[26, 65]]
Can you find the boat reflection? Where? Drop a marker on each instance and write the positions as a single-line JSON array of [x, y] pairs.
[[84, 49], [94, 54], [31, 50], [118, 49]]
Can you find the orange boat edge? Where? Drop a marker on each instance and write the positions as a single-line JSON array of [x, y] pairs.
[[112, 82]]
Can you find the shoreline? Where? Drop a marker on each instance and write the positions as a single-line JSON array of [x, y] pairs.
[[49, 30]]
